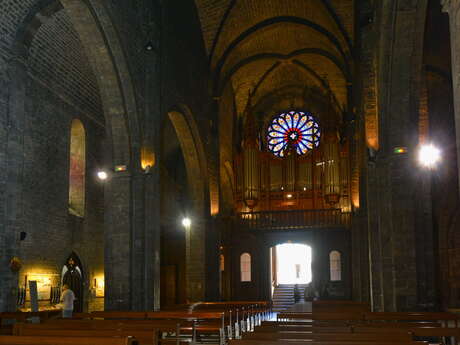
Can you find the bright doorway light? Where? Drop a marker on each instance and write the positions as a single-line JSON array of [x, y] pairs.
[[293, 263]]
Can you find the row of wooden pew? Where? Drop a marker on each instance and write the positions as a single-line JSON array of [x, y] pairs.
[[203, 322], [339, 323]]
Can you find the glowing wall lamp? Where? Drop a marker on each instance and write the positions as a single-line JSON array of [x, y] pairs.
[[102, 175], [186, 222], [147, 158], [429, 155]]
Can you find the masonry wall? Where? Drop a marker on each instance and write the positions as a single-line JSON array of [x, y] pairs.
[[52, 233], [51, 85]]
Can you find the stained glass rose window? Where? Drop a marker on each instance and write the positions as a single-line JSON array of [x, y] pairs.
[[294, 129]]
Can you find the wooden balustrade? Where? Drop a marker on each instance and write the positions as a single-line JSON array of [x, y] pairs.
[[296, 219]]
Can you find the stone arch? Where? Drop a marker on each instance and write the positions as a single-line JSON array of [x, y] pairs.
[[106, 56], [195, 165], [103, 48], [193, 152]]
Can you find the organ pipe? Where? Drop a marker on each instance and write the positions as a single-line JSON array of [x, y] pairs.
[[331, 188], [251, 165]]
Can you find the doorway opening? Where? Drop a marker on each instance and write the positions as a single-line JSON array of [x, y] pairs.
[[291, 264], [72, 276]]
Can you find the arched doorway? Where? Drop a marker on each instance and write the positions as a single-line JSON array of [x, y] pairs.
[[291, 263], [72, 275]]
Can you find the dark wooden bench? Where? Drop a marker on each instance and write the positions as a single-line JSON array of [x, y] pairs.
[[336, 342], [442, 317], [50, 340], [184, 324], [355, 337], [342, 305], [442, 333], [307, 316]]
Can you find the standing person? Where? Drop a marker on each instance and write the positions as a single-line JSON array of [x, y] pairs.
[[67, 299]]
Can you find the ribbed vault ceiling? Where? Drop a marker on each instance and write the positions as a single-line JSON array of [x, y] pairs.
[[260, 46]]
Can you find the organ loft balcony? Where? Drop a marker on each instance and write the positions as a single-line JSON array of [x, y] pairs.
[[294, 219]]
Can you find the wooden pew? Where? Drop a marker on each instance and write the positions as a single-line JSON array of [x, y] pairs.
[[184, 326], [444, 318], [307, 316], [317, 342], [438, 332], [145, 331], [118, 315], [49, 340], [304, 329], [143, 337], [23, 316], [324, 337], [384, 327], [340, 306]]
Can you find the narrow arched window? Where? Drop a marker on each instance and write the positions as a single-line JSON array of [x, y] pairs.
[[221, 262], [335, 264], [77, 169], [245, 265]]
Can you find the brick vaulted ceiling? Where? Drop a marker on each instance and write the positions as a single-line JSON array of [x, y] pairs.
[[265, 45]]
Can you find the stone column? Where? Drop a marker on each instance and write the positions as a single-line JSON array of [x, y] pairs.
[[392, 181], [452, 7], [195, 249], [152, 123], [118, 242], [12, 207]]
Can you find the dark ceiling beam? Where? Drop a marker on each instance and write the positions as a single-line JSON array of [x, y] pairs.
[[219, 30], [267, 56], [273, 21], [339, 23]]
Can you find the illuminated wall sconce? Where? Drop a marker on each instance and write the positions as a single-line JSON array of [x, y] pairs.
[[186, 222], [102, 175], [120, 168], [147, 158], [400, 150], [429, 155]]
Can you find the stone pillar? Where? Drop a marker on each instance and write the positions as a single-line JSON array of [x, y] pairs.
[[13, 175], [195, 249], [392, 181], [131, 236], [152, 123], [118, 242], [452, 7]]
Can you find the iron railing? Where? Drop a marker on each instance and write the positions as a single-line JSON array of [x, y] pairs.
[[287, 220]]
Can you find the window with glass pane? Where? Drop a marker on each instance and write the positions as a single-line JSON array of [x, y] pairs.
[[335, 265], [245, 265]]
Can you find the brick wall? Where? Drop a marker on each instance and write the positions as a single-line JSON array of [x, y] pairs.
[[60, 86], [57, 58]]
